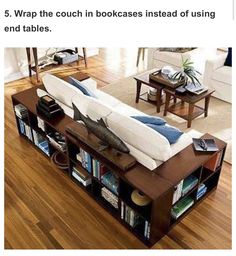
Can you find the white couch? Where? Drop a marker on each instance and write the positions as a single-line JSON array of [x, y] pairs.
[[219, 77], [159, 59], [149, 148]]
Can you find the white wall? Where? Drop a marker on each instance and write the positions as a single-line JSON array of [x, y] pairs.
[[16, 65]]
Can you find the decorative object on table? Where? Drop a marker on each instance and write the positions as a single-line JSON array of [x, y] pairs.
[[60, 160], [66, 56], [165, 76], [139, 198], [205, 145], [100, 130], [57, 140], [152, 94], [47, 107], [187, 72], [195, 88]]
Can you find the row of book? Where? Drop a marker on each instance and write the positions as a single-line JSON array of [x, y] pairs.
[[81, 176], [21, 111], [202, 189], [34, 136], [184, 187], [214, 162], [110, 197], [85, 159], [182, 206], [99, 169], [135, 220]]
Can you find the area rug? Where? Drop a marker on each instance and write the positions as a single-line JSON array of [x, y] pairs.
[[218, 122]]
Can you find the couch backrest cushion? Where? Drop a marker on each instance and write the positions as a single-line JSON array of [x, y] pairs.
[[92, 107], [60, 89], [83, 88], [139, 136]]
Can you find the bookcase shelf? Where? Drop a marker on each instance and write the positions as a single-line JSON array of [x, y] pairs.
[[188, 175]]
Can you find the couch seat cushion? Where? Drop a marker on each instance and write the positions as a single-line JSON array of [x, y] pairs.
[[223, 74], [139, 136]]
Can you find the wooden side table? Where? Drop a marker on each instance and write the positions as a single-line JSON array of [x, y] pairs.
[[144, 79], [36, 67], [191, 111]]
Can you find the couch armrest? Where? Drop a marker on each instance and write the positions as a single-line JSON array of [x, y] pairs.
[[151, 51], [211, 65]]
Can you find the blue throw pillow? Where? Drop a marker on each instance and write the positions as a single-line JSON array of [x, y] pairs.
[[150, 120], [171, 133], [84, 89], [228, 61]]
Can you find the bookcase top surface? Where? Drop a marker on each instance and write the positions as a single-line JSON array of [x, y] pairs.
[[186, 161]]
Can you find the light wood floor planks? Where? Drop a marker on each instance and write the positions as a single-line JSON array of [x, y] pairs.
[[44, 209]]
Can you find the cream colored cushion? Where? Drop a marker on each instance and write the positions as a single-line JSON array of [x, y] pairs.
[[60, 89], [139, 136], [92, 107]]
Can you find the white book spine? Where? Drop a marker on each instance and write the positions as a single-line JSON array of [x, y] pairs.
[[122, 210]]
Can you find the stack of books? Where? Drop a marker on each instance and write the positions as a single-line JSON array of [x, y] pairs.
[[135, 220], [178, 192], [44, 147], [82, 176], [47, 107], [41, 142], [25, 129], [201, 190], [189, 183], [110, 180], [110, 197], [182, 206], [21, 111], [57, 140], [85, 159]]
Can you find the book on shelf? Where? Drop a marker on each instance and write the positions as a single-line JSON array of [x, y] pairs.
[[84, 181], [81, 173], [202, 189], [182, 206], [188, 184], [110, 197], [214, 162], [110, 180], [177, 192], [135, 220], [86, 160], [21, 111], [78, 157], [41, 124]]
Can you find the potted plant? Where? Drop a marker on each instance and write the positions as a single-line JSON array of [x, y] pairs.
[[187, 72]]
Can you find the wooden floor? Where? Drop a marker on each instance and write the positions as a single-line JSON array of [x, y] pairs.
[[44, 209]]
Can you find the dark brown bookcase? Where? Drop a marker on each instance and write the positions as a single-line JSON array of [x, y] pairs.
[[153, 220]]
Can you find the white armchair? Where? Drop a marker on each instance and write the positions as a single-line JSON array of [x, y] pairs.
[[219, 77]]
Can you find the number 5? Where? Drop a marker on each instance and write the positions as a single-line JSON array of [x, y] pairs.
[[7, 14]]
